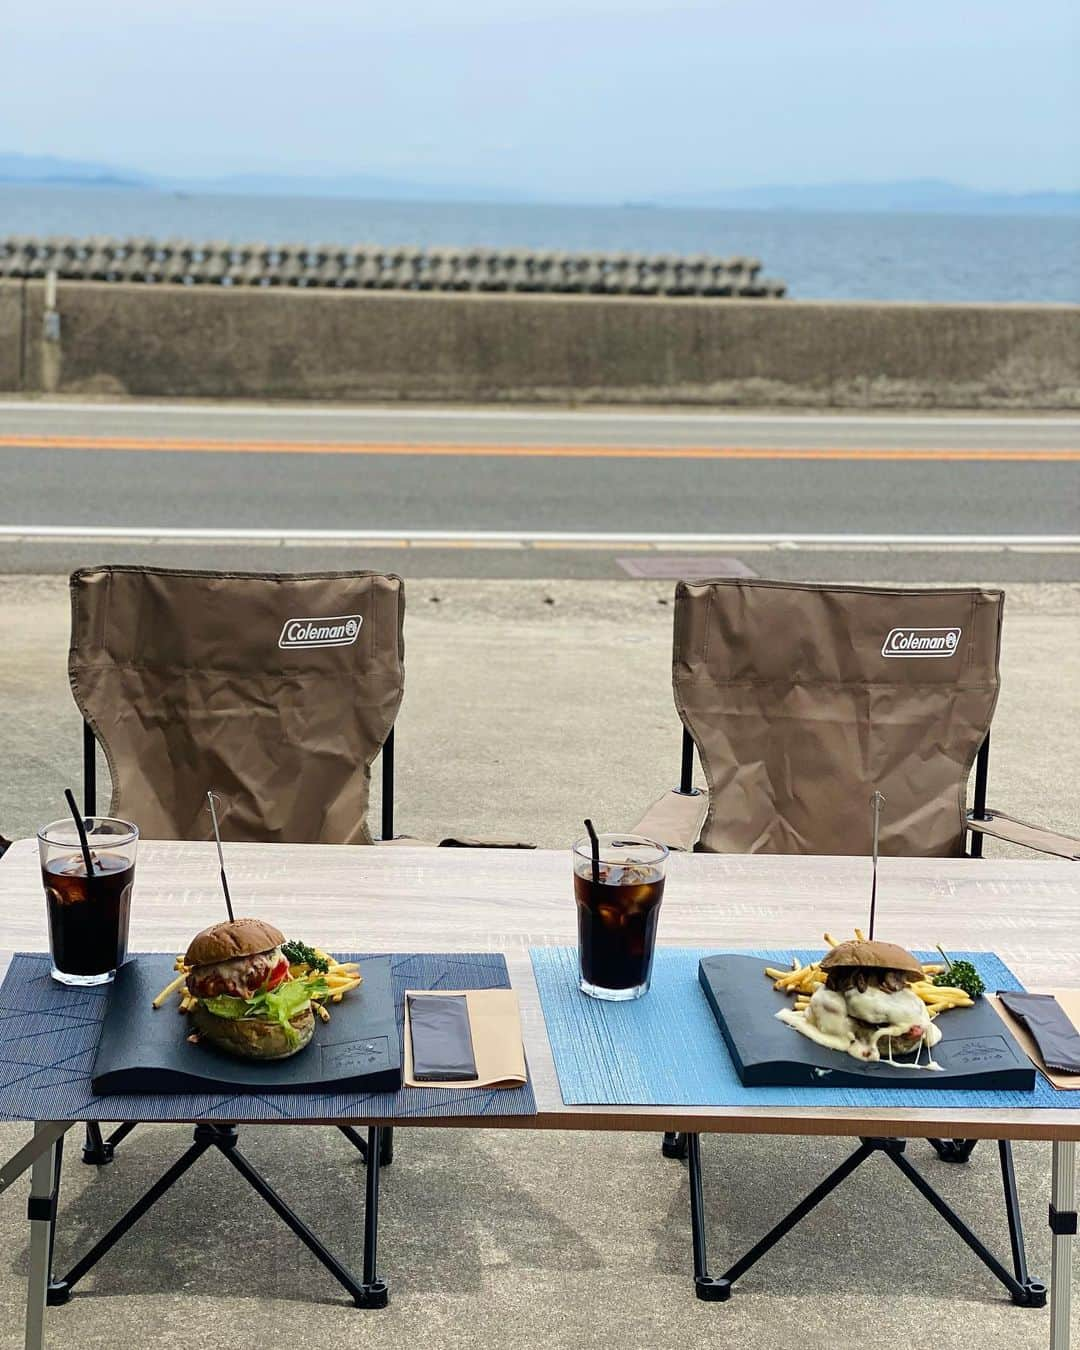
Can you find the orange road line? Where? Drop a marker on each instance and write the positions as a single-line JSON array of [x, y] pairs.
[[734, 452]]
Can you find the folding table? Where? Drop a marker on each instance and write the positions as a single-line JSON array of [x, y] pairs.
[[406, 899]]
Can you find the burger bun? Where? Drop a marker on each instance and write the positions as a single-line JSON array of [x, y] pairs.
[[872, 956], [231, 939]]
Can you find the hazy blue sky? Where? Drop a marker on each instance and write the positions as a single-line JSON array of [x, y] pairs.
[[599, 98]]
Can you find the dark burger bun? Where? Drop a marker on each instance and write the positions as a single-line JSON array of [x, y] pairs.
[[873, 956], [252, 1037], [235, 937]]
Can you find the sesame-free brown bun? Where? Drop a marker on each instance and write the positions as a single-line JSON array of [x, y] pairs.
[[872, 955], [233, 938], [252, 1037]]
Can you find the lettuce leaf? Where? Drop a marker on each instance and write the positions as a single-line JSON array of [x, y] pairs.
[[225, 1005], [279, 1005]]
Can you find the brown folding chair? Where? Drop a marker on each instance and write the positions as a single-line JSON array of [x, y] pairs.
[[276, 691], [801, 701]]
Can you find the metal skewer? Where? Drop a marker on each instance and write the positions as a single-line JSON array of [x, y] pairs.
[[221, 856], [877, 801]]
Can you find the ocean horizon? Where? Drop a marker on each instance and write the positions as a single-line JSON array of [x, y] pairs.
[[821, 255]]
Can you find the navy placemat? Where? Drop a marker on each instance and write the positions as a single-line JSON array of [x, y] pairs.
[[666, 1049], [49, 1035]]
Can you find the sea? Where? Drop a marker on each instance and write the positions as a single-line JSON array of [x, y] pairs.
[[820, 255]]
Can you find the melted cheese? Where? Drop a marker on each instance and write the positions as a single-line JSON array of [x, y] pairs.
[[834, 1021]]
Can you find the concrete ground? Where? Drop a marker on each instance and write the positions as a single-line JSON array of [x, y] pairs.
[[529, 705]]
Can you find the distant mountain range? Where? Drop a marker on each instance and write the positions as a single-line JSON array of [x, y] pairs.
[[65, 172], [45, 170], [919, 195], [355, 185]]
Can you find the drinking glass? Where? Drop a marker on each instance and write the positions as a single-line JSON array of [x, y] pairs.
[[88, 915], [618, 906]]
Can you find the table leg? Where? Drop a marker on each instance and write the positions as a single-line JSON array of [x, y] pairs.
[[374, 1292], [40, 1212], [1062, 1226]]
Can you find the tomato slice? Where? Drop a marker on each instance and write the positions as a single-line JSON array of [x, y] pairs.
[[278, 975]]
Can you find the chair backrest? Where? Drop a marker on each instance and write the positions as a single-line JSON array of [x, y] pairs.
[[802, 700], [276, 691]]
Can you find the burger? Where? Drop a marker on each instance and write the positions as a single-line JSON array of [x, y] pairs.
[[246, 1001], [866, 1005]]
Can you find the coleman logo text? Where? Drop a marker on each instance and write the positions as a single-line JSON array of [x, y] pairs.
[[338, 630], [922, 642]]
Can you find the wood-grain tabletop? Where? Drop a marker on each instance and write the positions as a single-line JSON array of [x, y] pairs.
[[404, 899]]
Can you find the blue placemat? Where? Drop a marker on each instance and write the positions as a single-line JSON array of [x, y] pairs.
[[49, 1036], [666, 1049]]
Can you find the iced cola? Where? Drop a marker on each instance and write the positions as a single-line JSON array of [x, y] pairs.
[[88, 914], [618, 907]]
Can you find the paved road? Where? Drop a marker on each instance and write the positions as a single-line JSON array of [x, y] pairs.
[[344, 487]]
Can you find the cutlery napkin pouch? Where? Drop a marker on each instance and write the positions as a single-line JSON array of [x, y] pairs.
[[442, 1046], [495, 1026], [1052, 1031]]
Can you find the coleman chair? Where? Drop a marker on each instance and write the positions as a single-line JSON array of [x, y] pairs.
[[276, 691], [800, 702]]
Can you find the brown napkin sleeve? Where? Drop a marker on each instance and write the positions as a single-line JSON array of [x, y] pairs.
[[495, 1022], [1069, 1002], [1058, 1040]]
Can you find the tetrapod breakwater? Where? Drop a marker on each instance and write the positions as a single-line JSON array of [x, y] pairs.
[[372, 267]]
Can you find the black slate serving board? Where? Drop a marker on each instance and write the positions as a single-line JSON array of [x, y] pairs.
[[976, 1050], [143, 1049]]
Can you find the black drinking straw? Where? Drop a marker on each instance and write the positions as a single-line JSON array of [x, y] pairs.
[[877, 801], [595, 852], [221, 857], [82, 832]]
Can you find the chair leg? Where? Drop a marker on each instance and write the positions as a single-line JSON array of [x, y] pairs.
[[98, 1151], [94, 1152], [954, 1150], [355, 1138], [674, 1145], [386, 1148]]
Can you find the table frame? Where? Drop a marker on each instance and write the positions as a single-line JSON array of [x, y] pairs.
[[507, 900]]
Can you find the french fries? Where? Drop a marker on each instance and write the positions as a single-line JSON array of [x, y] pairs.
[[169, 990], [340, 978], [803, 981]]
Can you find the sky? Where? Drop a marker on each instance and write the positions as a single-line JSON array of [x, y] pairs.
[[593, 100]]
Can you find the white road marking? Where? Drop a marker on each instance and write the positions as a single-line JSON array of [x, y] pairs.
[[151, 534], [412, 413]]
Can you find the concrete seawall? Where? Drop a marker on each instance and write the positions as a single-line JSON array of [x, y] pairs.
[[177, 341]]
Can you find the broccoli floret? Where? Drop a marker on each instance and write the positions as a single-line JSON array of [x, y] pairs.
[[962, 975], [300, 954]]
